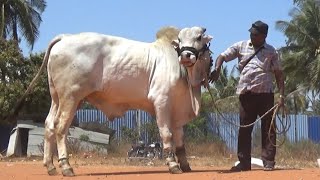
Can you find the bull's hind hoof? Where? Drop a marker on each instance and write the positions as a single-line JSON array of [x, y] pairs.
[[185, 168], [52, 171], [68, 172], [175, 170]]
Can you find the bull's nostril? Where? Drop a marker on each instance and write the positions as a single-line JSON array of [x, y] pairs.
[[188, 55]]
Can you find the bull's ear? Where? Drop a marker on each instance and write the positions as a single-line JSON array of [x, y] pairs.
[[175, 43], [207, 38]]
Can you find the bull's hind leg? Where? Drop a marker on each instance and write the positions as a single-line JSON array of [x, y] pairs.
[[49, 140], [178, 137], [66, 111]]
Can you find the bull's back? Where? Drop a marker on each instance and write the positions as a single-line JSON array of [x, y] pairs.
[[112, 67]]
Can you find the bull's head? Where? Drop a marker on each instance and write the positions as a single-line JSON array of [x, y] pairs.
[[194, 53]]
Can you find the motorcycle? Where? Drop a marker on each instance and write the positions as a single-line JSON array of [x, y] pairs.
[[154, 150], [140, 150], [137, 150]]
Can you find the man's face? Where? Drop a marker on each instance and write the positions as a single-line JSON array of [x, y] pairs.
[[257, 39]]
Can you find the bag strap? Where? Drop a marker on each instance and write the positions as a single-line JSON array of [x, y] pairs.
[[255, 53]]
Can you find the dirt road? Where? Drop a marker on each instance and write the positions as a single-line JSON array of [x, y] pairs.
[[35, 171]]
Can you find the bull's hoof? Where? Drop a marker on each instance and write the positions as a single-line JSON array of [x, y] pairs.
[[175, 170], [185, 168], [68, 172], [52, 171]]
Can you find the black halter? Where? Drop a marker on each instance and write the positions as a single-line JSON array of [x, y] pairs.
[[193, 50]]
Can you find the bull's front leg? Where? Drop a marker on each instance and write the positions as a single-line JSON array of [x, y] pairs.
[[164, 123], [168, 152], [163, 116], [178, 138]]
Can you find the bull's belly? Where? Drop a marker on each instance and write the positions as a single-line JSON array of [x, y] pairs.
[[115, 105]]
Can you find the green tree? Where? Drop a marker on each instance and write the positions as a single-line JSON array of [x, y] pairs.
[[296, 101], [12, 74], [300, 57], [37, 104], [129, 135], [16, 72], [223, 92], [298, 1], [151, 128], [23, 16], [316, 107]]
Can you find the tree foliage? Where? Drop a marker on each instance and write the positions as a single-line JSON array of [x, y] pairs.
[[12, 73], [22, 16], [223, 93], [301, 56], [16, 72], [38, 102]]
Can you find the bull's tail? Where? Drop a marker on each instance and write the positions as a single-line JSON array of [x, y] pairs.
[[43, 65], [20, 101]]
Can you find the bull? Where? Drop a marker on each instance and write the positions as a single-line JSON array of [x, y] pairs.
[[116, 74]]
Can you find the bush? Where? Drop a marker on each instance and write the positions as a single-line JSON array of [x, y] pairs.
[[84, 137], [303, 150], [129, 135], [197, 130], [151, 128]]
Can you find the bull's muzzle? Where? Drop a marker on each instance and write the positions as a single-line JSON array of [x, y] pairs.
[[187, 58]]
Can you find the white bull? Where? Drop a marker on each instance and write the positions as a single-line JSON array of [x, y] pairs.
[[116, 74]]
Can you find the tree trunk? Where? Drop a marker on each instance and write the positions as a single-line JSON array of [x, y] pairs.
[[2, 22], [15, 29]]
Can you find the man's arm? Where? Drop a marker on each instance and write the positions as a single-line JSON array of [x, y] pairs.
[[229, 54], [219, 62], [216, 71]]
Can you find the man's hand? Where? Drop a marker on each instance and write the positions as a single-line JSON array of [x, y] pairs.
[[214, 76], [281, 105], [281, 101]]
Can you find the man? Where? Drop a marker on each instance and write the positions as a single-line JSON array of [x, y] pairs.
[[257, 62]]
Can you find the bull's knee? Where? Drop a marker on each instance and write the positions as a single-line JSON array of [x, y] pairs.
[[166, 137]]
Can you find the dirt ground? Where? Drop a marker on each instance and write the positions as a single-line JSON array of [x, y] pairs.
[[33, 170]]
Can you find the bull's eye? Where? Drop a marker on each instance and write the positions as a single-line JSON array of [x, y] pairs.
[[199, 38]]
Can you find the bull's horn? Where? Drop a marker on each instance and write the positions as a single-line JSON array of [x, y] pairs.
[[204, 29]]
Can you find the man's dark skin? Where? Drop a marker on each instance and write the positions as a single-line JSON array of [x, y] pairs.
[[257, 40]]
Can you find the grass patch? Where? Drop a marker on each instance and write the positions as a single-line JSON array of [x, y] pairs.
[[303, 154]]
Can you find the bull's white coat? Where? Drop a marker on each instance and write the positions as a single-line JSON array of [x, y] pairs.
[[117, 74]]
